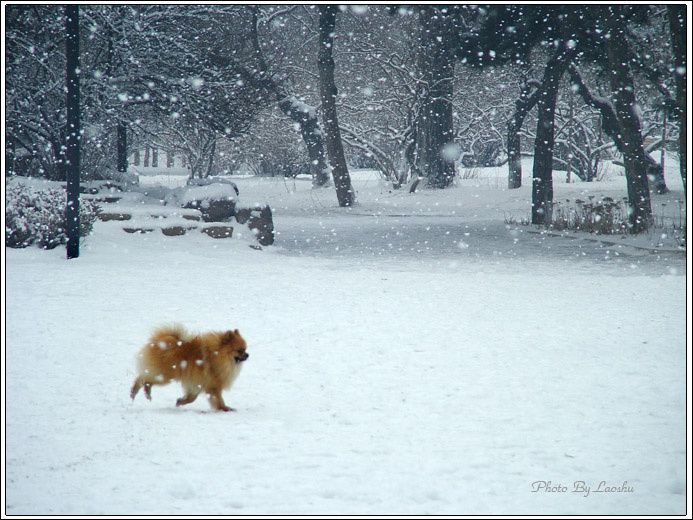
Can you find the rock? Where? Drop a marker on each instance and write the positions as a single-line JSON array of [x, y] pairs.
[[175, 231], [243, 214], [218, 231], [138, 230], [216, 202], [105, 217], [214, 210], [259, 220]]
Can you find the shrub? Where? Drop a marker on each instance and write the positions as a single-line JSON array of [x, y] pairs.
[[603, 217], [37, 216]]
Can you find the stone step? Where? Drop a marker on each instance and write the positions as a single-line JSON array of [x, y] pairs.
[[107, 216], [176, 220], [215, 231]]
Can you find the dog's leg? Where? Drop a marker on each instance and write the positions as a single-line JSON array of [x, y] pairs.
[[188, 398], [139, 383], [135, 388], [217, 402]]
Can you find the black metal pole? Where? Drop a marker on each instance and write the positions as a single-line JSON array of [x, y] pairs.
[[72, 223]]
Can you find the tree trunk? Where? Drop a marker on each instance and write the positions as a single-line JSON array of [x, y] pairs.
[[523, 105], [315, 145], [309, 126], [72, 156], [435, 148], [571, 116], [542, 174], [640, 214], [664, 140], [210, 163], [610, 124], [122, 148], [677, 29], [328, 96], [10, 156], [306, 117]]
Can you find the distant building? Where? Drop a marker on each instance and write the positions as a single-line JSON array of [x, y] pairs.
[[148, 157]]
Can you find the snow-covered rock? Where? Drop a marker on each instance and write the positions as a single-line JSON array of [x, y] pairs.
[[216, 202]]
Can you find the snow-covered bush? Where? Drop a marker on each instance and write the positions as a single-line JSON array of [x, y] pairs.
[[37, 216]]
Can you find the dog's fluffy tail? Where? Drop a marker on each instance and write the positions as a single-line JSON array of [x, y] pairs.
[[174, 329]]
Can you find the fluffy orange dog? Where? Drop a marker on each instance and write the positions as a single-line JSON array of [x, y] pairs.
[[202, 363]]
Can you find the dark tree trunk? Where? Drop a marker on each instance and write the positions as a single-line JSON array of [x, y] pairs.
[[311, 133], [328, 96], [610, 125], [210, 163], [523, 105], [72, 223], [634, 157], [121, 128], [514, 154], [10, 156], [122, 146], [307, 119], [435, 152], [542, 174], [677, 28]]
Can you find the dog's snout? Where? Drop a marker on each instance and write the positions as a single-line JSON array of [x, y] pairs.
[[242, 357]]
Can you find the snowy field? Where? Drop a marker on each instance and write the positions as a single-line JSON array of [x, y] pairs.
[[413, 355]]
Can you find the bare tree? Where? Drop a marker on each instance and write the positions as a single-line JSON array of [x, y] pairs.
[[640, 216], [301, 113], [328, 95], [542, 175], [378, 98], [435, 151], [527, 100], [677, 28]]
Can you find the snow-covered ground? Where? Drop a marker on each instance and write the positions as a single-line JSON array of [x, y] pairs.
[[414, 354]]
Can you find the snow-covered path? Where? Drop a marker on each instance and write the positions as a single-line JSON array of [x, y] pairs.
[[444, 377], [358, 236]]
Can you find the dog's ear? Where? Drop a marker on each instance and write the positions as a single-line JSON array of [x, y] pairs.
[[236, 332], [228, 338]]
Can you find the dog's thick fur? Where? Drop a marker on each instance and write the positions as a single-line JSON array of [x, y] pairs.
[[206, 363]]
